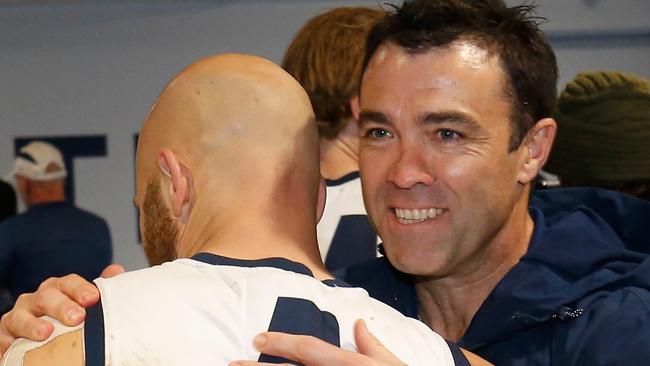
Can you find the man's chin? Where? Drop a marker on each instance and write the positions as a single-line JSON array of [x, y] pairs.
[[410, 262]]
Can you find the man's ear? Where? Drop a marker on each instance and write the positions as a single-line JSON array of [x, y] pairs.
[[537, 148], [354, 107], [322, 197], [180, 182]]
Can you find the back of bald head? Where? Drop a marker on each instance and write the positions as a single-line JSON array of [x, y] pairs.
[[240, 124]]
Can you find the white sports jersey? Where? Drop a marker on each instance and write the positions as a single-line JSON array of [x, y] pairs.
[[345, 236], [206, 311]]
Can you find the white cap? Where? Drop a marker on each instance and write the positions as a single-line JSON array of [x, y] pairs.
[[34, 158]]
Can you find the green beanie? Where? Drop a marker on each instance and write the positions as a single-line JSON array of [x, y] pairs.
[[603, 133]]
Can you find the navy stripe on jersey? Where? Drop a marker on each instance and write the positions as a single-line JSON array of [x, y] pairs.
[[280, 263], [94, 335], [302, 317], [354, 242], [344, 179], [457, 354]]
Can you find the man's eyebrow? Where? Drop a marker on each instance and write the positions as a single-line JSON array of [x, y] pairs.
[[450, 117], [372, 116]]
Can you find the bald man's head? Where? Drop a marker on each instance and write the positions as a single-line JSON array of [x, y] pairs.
[[228, 133]]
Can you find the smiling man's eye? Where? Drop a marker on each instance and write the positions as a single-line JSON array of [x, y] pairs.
[[378, 133], [445, 134]]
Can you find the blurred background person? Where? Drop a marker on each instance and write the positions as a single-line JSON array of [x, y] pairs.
[[326, 57], [53, 237], [7, 209], [7, 201], [603, 137]]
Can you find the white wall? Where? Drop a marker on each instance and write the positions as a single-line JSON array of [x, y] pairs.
[[95, 67]]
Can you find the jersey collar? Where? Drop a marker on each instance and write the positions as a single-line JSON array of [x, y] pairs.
[[275, 262]]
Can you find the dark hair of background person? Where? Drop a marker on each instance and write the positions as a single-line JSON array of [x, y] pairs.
[[603, 138], [512, 34], [326, 58], [7, 201]]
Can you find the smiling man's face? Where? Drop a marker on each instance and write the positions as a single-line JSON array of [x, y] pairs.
[[439, 183]]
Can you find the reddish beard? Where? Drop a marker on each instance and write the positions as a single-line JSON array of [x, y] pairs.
[[160, 232]]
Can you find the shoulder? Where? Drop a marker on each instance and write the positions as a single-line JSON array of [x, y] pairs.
[[595, 215], [83, 213], [166, 271], [141, 305], [614, 330], [384, 283], [374, 275], [180, 282], [614, 208]]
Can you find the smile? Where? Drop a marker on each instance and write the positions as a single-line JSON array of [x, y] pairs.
[[414, 216]]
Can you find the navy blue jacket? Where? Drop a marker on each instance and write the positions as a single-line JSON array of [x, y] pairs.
[[52, 239], [580, 295]]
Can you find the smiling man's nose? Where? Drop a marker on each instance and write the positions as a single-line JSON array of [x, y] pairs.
[[410, 168]]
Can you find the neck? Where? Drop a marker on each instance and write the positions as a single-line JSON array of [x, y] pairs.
[[340, 156], [253, 236], [37, 199], [448, 304], [36, 192]]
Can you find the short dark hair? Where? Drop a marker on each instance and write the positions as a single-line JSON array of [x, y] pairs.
[[326, 58], [512, 34]]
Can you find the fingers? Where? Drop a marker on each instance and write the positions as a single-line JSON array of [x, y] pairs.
[[112, 270], [307, 350], [312, 351], [21, 323], [64, 298], [65, 289], [371, 346], [60, 298], [5, 342]]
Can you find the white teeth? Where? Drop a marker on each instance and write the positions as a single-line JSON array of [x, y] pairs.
[[432, 212], [410, 216]]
